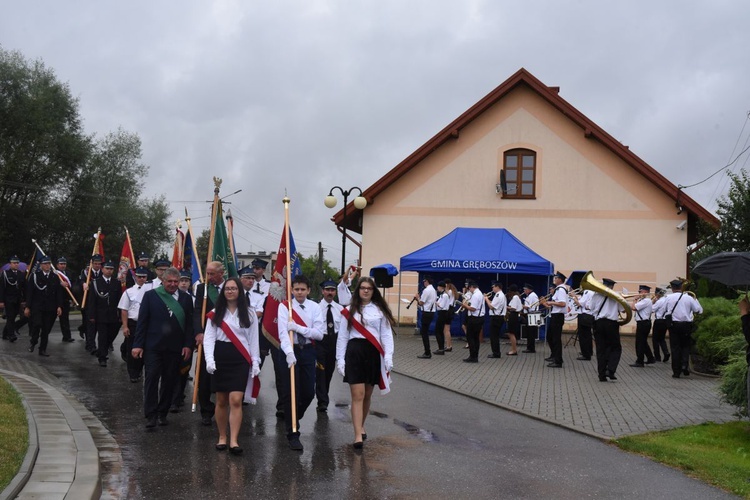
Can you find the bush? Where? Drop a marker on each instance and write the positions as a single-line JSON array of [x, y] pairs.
[[733, 386], [720, 320]]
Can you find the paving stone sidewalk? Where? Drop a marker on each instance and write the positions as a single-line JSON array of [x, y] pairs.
[[641, 400]]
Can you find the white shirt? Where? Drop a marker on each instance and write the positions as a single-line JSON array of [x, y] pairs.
[[585, 301], [659, 308], [477, 302], [255, 298], [335, 312], [343, 293], [560, 295], [643, 309], [130, 301], [310, 313], [610, 310], [376, 323], [444, 302], [682, 309], [499, 304], [532, 298], [248, 337], [428, 299], [515, 303]]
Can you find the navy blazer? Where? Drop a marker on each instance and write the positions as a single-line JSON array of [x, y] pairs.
[[43, 294], [159, 331], [102, 306]]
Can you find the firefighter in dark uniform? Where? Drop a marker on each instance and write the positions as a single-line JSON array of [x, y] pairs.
[[12, 287], [104, 295], [43, 304], [88, 328], [62, 269]]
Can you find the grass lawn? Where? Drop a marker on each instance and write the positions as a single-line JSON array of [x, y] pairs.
[[718, 454], [14, 433]]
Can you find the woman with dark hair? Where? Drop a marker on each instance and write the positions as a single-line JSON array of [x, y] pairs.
[[364, 350], [515, 306], [450, 289], [232, 357]]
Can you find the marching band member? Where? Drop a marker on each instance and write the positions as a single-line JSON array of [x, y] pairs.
[[364, 351], [607, 332], [427, 301], [558, 304], [530, 305], [474, 322], [452, 292], [660, 326], [497, 307], [585, 324], [681, 307], [514, 307], [642, 309], [444, 307]]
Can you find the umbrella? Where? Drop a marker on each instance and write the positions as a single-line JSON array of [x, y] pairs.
[[22, 266], [729, 268]]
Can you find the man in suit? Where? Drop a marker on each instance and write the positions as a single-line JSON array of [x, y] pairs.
[[164, 335], [65, 282], [207, 294], [12, 287], [88, 328], [102, 311], [43, 304]]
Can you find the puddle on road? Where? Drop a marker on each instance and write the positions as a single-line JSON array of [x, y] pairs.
[[422, 434]]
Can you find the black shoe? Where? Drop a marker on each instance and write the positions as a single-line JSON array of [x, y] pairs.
[[686, 372], [426, 355], [551, 358], [602, 378], [364, 436], [584, 358], [675, 375], [94, 352], [151, 422], [439, 352], [174, 409], [554, 365], [295, 444], [221, 447], [31, 348], [134, 379], [448, 349], [12, 338], [611, 375], [103, 363], [528, 352], [650, 362], [666, 357], [206, 420], [236, 450], [322, 409], [658, 359], [279, 414], [358, 445], [83, 335], [471, 360], [493, 356], [162, 420], [637, 365], [42, 352], [69, 339]]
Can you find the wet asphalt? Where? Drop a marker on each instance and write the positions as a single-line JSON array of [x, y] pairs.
[[423, 442]]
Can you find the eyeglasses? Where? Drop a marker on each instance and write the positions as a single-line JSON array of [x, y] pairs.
[[366, 288], [231, 289]]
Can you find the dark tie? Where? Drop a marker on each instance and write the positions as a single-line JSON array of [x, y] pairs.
[[329, 321], [247, 294], [257, 287], [139, 288]]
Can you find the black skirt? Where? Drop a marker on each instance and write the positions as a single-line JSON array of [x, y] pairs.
[[514, 325], [362, 363], [232, 369]]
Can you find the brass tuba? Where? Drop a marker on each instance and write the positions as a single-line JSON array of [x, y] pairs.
[[588, 282]]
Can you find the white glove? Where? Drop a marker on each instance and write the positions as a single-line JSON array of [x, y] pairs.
[[290, 360], [341, 369], [293, 326], [211, 367], [388, 361], [255, 371]]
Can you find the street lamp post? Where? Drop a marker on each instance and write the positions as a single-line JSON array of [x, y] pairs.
[[359, 202]]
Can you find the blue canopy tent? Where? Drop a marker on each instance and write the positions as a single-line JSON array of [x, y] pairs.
[[483, 254]]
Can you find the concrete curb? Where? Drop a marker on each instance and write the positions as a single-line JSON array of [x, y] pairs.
[[55, 443], [24, 473]]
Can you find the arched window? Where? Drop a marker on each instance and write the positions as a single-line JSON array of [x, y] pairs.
[[519, 174]]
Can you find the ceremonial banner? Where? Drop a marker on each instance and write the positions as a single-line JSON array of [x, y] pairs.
[[99, 246], [189, 259], [177, 250], [34, 264], [221, 250], [127, 261], [279, 286], [230, 229]]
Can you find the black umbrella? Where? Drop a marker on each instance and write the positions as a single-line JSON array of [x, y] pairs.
[[729, 268]]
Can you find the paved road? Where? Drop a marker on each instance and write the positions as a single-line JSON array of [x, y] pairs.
[[425, 442]]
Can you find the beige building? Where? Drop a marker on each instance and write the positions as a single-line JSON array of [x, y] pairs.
[[524, 159]]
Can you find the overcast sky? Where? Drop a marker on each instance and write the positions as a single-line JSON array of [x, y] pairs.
[[304, 95]]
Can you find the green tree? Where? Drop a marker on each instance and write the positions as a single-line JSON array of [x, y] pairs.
[[58, 185], [317, 270]]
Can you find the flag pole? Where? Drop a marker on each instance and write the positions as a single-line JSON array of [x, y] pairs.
[[289, 302], [31, 263], [214, 211], [67, 288], [130, 244], [195, 249], [91, 263]]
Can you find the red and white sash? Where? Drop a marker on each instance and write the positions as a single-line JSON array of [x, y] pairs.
[[297, 319], [253, 383], [385, 377]]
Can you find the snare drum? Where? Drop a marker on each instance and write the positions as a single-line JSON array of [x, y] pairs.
[[534, 319]]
